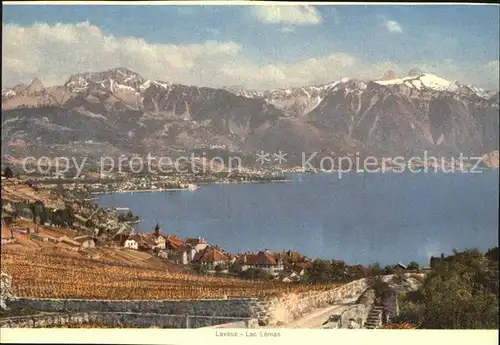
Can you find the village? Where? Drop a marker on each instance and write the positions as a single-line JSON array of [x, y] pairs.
[[92, 179], [288, 266], [34, 217], [190, 253]]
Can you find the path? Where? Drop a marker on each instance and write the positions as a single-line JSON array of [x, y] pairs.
[[319, 316]]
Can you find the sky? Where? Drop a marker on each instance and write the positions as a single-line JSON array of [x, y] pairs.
[[253, 46]]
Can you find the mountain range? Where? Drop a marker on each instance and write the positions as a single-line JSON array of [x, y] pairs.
[[119, 112]]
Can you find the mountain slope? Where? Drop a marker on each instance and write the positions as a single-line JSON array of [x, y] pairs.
[[120, 112]]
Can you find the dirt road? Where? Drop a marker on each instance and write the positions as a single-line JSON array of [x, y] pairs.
[[318, 317]]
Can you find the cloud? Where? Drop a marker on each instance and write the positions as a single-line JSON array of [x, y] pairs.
[[393, 26], [55, 52], [212, 31], [483, 75], [294, 14], [493, 67], [286, 29], [186, 10], [58, 51], [335, 15], [309, 71]]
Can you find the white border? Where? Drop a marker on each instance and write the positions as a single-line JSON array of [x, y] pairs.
[[239, 2], [287, 336]]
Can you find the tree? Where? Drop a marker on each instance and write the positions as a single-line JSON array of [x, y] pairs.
[[374, 269], [8, 173], [45, 217], [379, 286], [67, 217], [492, 254], [200, 269], [254, 273], [37, 208], [250, 273], [235, 268], [33, 212], [389, 269], [263, 275], [461, 292], [414, 266], [57, 217], [320, 272], [356, 272], [219, 268], [339, 271]]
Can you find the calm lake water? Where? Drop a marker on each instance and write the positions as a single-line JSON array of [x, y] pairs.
[[360, 218]]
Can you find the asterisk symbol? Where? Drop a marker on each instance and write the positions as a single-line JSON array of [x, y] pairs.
[[280, 157], [262, 157]]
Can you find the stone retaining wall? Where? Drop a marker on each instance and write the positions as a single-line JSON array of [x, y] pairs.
[[250, 323], [269, 311], [133, 320], [229, 308], [293, 306], [356, 316], [5, 290]]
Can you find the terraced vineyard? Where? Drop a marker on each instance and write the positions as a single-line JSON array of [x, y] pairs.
[[54, 275]]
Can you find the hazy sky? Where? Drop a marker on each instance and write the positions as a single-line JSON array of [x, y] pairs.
[[254, 46]]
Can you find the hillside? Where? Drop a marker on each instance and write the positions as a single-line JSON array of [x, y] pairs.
[[59, 209], [119, 112]]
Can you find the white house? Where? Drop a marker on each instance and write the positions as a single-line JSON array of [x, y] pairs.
[[131, 244], [188, 251], [160, 242], [197, 243], [86, 242], [263, 260], [183, 256], [188, 255], [288, 277], [163, 254], [211, 257]]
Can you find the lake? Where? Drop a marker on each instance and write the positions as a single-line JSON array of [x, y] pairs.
[[361, 218]]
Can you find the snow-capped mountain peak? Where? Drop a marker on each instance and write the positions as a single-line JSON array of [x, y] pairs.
[[425, 80], [148, 83], [121, 78], [428, 81]]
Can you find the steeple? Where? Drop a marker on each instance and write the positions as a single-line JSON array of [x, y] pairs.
[[157, 230]]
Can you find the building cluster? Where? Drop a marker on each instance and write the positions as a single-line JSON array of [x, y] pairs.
[[9, 230], [288, 266]]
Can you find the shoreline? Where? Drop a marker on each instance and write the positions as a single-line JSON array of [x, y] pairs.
[[186, 189], [248, 182], [142, 191]]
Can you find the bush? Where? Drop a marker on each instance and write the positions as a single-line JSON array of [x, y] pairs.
[[253, 273], [492, 255], [374, 269], [389, 269], [235, 268], [414, 266], [219, 268], [379, 286], [320, 272], [417, 277], [461, 292], [199, 269], [8, 173]]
